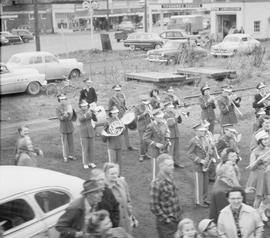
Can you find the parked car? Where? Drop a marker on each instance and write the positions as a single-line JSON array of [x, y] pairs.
[[46, 63], [172, 50], [33, 199], [165, 22], [26, 35], [144, 41], [176, 34], [125, 28], [11, 37], [235, 43], [20, 80], [3, 40]]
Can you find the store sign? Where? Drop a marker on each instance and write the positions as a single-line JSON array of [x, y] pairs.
[[181, 5], [220, 9]]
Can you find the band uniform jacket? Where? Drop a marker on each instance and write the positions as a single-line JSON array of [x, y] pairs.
[[227, 113], [155, 103], [85, 124], [66, 124], [208, 112], [156, 132], [89, 96], [119, 101], [196, 152], [257, 105], [114, 142], [142, 120], [170, 117]]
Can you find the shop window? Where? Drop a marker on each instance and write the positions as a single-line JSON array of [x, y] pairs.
[[15, 213], [257, 26], [31, 16], [50, 200]]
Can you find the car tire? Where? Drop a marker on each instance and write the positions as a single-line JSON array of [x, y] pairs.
[[33, 88], [132, 47], [74, 74], [172, 61], [157, 46]]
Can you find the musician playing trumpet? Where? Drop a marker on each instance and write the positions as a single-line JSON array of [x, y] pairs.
[[208, 105], [259, 178], [87, 134], [258, 104], [228, 103], [201, 153]]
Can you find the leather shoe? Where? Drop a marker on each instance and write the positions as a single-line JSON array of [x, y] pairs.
[[207, 202], [141, 158], [146, 157]]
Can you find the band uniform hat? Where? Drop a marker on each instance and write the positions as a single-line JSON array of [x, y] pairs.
[[61, 96], [227, 88], [84, 103], [204, 224], [90, 186], [144, 98], [260, 112], [117, 87], [205, 87], [158, 113], [114, 110], [199, 127], [260, 85], [229, 127], [170, 90], [261, 135]]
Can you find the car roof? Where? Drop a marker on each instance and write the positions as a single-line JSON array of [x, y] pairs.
[[239, 35], [21, 179], [31, 53]]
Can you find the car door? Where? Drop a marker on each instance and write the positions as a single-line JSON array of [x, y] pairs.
[[21, 219], [36, 62], [52, 203], [53, 68]]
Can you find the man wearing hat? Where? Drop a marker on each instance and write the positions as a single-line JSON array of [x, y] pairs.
[[65, 114], [260, 114], [143, 114], [88, 93], [119, 101], [227, 104], [229, 139], [208, 229], [74, 221], [200, 152], [207, 103], [261, 94], [87, 134], [173, 119]]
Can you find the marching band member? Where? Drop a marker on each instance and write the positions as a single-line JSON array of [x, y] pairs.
[[261, 93], [259, 178], [143, 114], [201, 153], [114, 141], [229, 139], [172, 97], [118, 100], [25, 151], [227, 104], [259, 119], [172, 120], [66, 115], [87, 134], [207, 103], [155, 99], [88, 93]]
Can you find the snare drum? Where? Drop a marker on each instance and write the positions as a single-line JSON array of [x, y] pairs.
[[129, 120]]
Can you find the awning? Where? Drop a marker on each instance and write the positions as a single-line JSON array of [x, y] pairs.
[[8, 16]]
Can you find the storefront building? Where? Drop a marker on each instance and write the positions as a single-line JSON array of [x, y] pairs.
[[250, 16]]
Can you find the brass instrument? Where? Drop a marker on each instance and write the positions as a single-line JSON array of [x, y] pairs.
[[266, 97], [261, 157], [115, 128], [209, 158]]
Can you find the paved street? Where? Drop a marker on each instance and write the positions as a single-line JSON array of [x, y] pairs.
[[58, 43]]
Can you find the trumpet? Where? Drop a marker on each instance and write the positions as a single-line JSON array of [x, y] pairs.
[[266, 97], [261, 157]]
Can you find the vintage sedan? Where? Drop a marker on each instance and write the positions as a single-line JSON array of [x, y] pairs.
[[20, 80], [144, 41], [172, 51], [33, 199], [46, 63], [12, 39], [235, 44], [176, 34], [26, 35]]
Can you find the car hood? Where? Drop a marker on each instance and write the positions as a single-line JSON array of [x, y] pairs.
[[226, 45]]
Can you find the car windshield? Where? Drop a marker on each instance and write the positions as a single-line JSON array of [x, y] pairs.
[[14, 60], [172, 44], [231, 39]]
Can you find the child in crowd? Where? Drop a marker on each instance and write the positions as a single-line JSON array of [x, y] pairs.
[[186, 229]]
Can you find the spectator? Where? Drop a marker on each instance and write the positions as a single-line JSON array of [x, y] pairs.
[[88, 93], [100, 226], [120, 189], [164, 200], [72, 223], [208, 229], [108, 201], [226, 180], [238, 219], [186, 229]]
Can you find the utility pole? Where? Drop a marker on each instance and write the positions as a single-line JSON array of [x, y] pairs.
[[108, 15], [145, 16], [37, 36]]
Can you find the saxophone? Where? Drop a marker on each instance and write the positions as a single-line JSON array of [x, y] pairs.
[[209, 157]]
